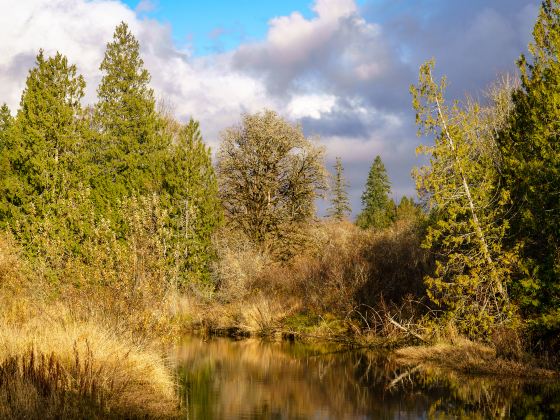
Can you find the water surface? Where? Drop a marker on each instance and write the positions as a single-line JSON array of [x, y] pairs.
[[253, 379]]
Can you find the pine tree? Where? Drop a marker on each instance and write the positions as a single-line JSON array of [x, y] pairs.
[[472, 268], [376, 204], [47, 135], [127, 152], [531, 169], [340, 206], [195, 207]]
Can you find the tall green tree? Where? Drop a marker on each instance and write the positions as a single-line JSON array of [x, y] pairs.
[[128, 147], [531, 169], [6, 173], [340, 205], [473, 269], [376, 204], [196, 210], [46, 136]]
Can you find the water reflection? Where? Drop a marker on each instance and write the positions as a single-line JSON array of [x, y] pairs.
[[252, 379]]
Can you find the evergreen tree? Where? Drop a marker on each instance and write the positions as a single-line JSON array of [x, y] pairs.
[[466, 236], [408, 210], [531, 169], [6, 173], [376, 204], [340, 206], [196, 211], [127, 155], [46, 137]]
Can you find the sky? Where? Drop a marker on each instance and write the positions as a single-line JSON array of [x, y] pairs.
[[340, 68]]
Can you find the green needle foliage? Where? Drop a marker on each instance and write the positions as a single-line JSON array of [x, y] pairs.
[[472, 268], [531, 170], [340, 205], [378, 208], [195, 207], [6, 172], [44, 140], [127, 151]]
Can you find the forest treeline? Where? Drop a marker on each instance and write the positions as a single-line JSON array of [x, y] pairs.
[[114, 216], [115, 207]]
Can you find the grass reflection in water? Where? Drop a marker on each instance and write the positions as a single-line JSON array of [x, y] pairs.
[[253, 379]]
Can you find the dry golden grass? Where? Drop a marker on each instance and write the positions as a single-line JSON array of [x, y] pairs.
[[130, 379], [468, 357], [339, 285], [64, 349]]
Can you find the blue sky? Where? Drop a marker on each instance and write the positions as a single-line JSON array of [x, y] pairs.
[[218, 25], [340, 68]]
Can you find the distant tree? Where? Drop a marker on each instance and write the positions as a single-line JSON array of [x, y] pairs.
[[407, 210], [377, 207], [128, 148], [473, 269], [195, 206], [340, 205], [6, 118], [530, 149], [269, 177]]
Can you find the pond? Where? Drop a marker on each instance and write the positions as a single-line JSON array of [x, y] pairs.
[[252, 379]]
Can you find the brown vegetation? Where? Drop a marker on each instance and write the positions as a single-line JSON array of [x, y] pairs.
[[348, 282], [67, 351]]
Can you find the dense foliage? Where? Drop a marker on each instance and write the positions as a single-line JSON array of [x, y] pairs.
[[270, 175], [530, 150], [75, 181]]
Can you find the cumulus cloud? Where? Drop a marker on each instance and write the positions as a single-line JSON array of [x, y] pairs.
[[343, 73]]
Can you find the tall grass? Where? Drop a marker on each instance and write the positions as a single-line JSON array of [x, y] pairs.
[[87, 351]]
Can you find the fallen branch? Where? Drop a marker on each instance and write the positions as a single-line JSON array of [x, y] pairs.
[[412, 333]]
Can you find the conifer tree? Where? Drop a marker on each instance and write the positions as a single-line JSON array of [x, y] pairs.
[[128, 144], [376, 204], [530, 148], [340, 205], [47, 135], [195, 207], [472, 268], [6, 173], [407, 210]]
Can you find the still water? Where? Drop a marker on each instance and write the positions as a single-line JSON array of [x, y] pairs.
[[252, 379]]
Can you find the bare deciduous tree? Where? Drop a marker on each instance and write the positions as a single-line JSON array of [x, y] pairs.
[[269, 175]]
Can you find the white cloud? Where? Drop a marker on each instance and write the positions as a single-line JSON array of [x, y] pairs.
[[310, 105], [338, 72]]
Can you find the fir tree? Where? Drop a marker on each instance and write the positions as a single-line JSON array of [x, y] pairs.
[[530, 149], [376, 205], [128, 144], [195, 207], [408, 210], [340, 206], [472, 267], [45, 139], [6, 172]]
